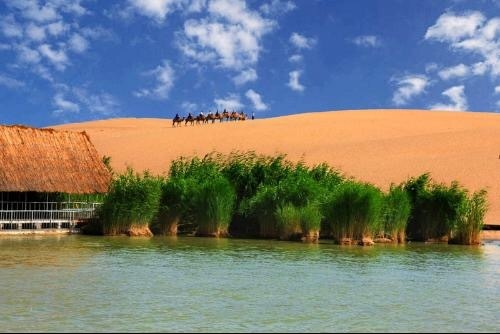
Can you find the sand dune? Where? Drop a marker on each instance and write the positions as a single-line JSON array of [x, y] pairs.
[[380, 146]]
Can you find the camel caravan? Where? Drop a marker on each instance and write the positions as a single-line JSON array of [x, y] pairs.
[[210, 116]]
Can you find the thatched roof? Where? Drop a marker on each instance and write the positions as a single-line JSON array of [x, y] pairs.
[[46, 160]]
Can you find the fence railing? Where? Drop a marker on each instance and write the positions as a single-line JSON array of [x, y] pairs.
[[36, 215]]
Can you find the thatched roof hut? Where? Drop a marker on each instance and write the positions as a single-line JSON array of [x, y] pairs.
[[46, 160]]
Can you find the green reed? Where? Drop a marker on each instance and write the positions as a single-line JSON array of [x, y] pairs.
[[396, 209], [213, 205], [471, 220], [353, 210], [132, 201]]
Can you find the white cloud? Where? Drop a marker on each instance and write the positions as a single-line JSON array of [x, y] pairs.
[[196, 6], [277, 7], [230, 102], [10, 28], [43, 72], [479, 68], [165, 76], [97, 32], [457, 98], [236, 12], [35, 33], [78, 43], [302, 42], [57, 28], [63, 105], [189, 107], [256, 100], [457, 71], [230, 36], [452, 28], [97, 103], [32, 10], [497, 90], [224, 33], [293, 82], [367, 41], [471, 33], [27, 55], [156, 9], [296, 58], [46, 37], [409, 87], [77, 99], [48, 10], [73, 7], [10, 82], [249, 75], [57, 57], [431, 67]]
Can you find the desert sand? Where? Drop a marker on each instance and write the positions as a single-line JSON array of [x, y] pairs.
[[379, 146]]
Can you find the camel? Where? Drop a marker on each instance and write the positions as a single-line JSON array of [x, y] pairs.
[[189, 119], [225, 115], [177, 120], [202, 119], [211, 117], [219, 116], [242, 116], [234, 116]]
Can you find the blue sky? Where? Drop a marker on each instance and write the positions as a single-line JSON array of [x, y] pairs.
[[69, 61]]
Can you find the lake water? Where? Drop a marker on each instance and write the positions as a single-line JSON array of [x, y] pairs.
[[80, 283]]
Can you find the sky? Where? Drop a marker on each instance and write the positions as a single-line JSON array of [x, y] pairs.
[[79, 60]]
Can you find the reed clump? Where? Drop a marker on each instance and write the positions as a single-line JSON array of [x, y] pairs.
[[259, 211], [288, 219], [396, 209], [173, 207], [297, 191], [436, 209], [471, 220], [310, 222], [131, 204], [353, 211], [213, 205]]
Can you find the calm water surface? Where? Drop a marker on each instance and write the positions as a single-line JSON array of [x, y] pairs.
[[80, 283]]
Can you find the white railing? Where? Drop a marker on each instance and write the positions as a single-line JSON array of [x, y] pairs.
[[40, 215]]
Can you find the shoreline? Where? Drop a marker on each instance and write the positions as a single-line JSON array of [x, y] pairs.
[[490, 235], [486, 235], [61, 231]]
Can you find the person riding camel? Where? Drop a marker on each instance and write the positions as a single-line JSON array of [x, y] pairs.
[[176, 116]]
